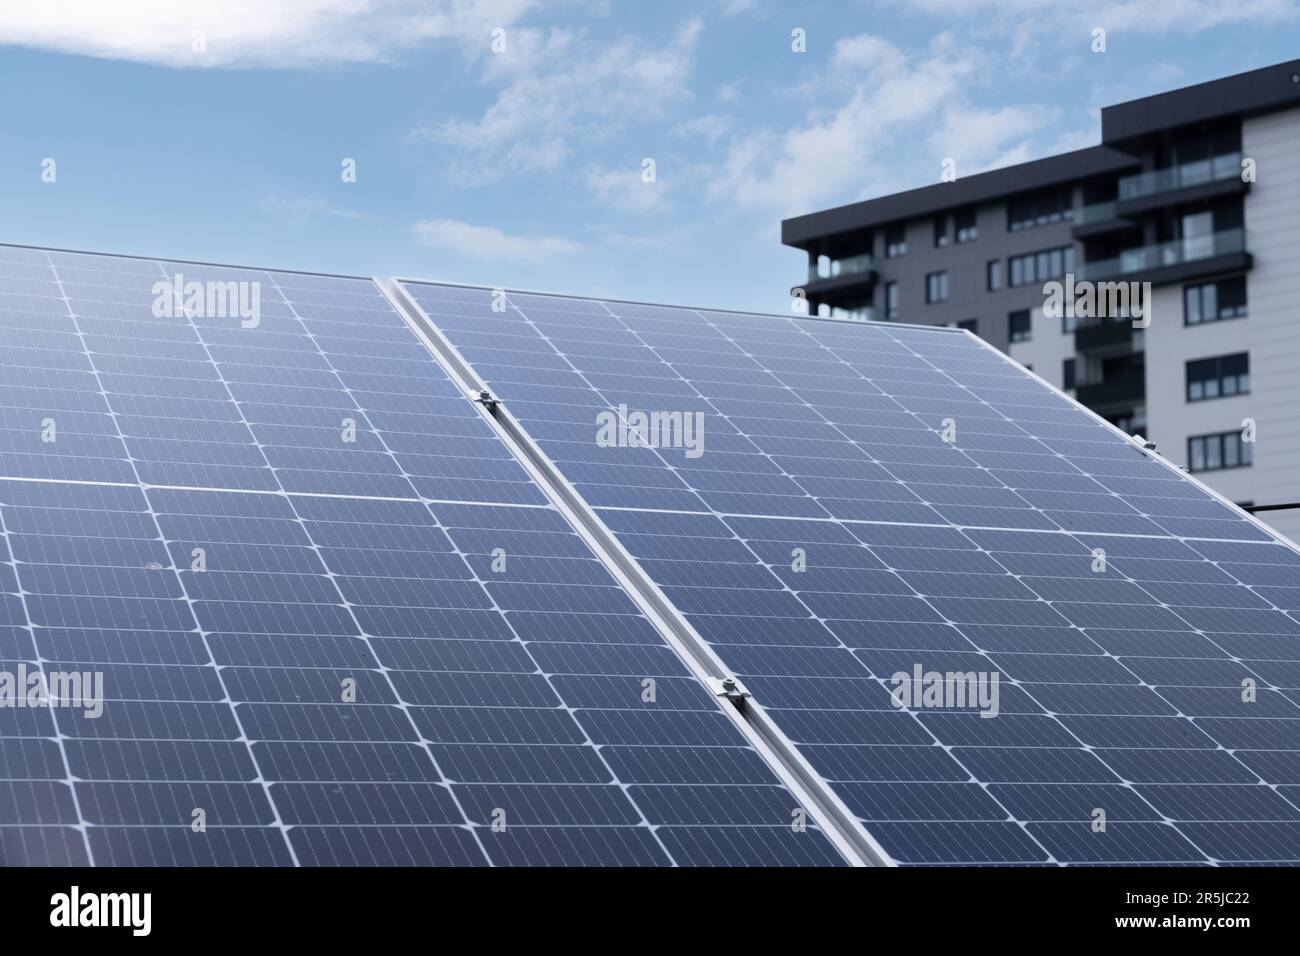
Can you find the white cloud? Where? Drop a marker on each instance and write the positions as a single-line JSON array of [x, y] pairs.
[[1133, 16], [978, 139], [867, 52], [1080, 138], [888, 119], [625, 190], [296, 212], [489, 242], [887, 93], [708, 128], [560, 86], [1165, 74], [676, 240], [250, 33]]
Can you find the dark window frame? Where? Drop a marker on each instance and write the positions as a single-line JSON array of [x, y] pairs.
[[937, 289], [1202, 297], [966, 225], [993, 275], [895, 242], [1041, 265], [1218, 376], [942, 237], [1218, 451], [1018, 332], [1042, 208]]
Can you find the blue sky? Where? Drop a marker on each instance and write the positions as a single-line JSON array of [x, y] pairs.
[[523, 167]]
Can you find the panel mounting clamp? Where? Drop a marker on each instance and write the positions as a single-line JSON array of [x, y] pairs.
[[1144, 443], [487, 401], [729, 688]]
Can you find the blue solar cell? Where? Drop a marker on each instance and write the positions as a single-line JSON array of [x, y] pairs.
[[336, 621], [868, 499]]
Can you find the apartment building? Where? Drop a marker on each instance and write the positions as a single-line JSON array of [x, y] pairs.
[[1196, 192]]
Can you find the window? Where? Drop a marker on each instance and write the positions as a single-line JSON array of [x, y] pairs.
[[940, 231], [994, 275], [1039, 209], [1019, 325], [1212, 301], [1067, 374], [895, 242], [1041, 266], [891, 301], [967, 230], [970, 325], [1125, 423], [1219, 451], [1134, 422], [1219, 377], [1196, 231], [936, 287]]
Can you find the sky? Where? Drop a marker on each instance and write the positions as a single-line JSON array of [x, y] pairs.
[[631, 150]]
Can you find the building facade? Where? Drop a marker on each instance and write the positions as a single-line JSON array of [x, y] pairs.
[[1191, 202]]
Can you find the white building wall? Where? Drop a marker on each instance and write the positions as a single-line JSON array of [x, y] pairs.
[[1273, 299], [1047, 349], [1270, 333], [1171, 419]]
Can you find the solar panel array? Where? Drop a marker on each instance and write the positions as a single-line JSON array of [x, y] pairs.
[[870, 500], [336, 621]]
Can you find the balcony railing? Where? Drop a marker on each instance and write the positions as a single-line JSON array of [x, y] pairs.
[[1180, 177], [1125, 386], [859, 314], [849, 266], [1108, 333], [1097, 212], [1162, 254]]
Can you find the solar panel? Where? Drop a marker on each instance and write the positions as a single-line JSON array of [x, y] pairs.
[[868, 511], [336, 622]]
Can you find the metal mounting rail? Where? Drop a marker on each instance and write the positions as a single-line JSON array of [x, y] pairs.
[[831, 814]]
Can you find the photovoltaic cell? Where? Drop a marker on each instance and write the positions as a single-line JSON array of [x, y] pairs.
[[336, 621], [871, 499]]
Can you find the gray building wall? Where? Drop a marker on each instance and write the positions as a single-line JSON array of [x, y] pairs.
[[966, 264], [1047, 348]]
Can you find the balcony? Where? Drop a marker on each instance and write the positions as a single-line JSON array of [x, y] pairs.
[[1189, 182], [1097, 212], [1174, 261], [1094, 335], [1098, 219], [848, 266], [1125, 388], [858, 314], [1157, 181], [847, 280]]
